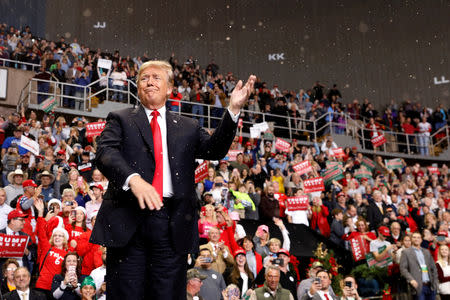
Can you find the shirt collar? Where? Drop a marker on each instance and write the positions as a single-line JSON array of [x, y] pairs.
[[162, 111]]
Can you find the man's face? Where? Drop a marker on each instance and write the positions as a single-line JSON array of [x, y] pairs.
[[272, 279], [205, 255], [45, 180], [285, 259], [22, 279], [325, 280], [416, 239], [395, 229], [214, 235], [18, 179], [17, 224], [195, 284], [154, 87]]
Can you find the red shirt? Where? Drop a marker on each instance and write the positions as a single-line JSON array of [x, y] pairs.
[[49, 257], [408, 128]]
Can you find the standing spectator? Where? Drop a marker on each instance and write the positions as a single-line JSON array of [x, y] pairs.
[[320, 288], [221, 253], [14, 188], [271, 287], [16, 220], [69, 90], [349, 288], [443, 271], [119, 78], [213, 284], [5, 209], [65, 285], [319, 216], [337, 227], [410, 130], [419, 269], [376, 210], [217, 100], [424, 136], [254, 259], [194, 282], [375, 245], [51, 252], [240, 274]]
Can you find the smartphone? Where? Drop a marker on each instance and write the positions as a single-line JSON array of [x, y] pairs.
[[68, 203], [348, 284], [80, 181], [317, 280], [206, 260], [440, 238], [278, 261]]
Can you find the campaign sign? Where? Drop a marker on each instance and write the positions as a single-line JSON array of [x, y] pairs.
[[201, 172], [240, 123], [368, 163], [359, 248], [95, 128], [338, 152], [12, 245], [282, 145], [313, 185], [29, 144], [48, 104], [393, 164], [232, 154], [297, 203], [434, 170], [302, 167], [334, 173], [378, 140], [384, 261]]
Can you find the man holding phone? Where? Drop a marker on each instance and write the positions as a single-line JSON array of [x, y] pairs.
[[213, 284], [319, 288], [350, 289]]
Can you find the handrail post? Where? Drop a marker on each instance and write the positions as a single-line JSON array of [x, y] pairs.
[[128, 94], [209, 117], [84, 99], [289, 125], [407, 143]]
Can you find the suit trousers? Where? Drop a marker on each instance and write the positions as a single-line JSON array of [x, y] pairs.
[[147, 267]]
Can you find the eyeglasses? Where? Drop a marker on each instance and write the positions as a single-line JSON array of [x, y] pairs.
[[11, 269]]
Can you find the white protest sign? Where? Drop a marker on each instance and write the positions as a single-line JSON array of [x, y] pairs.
[[29, 144]]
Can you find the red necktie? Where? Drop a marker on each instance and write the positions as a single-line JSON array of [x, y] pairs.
[[157, 144], [326, 296]]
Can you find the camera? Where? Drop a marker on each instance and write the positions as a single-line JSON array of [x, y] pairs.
[[278, 261]]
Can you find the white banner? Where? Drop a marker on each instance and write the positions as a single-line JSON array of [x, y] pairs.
[[254, 133], [104, 63], [29, 144]]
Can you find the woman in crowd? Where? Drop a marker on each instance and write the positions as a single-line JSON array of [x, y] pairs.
[[51, 252], [73, 180], [98, 178], [319, 221], [78, 225], [239, 274], [261, 239], [253, 258], [209, 181], [362, 230], [431, 223], [443, 270], [65, 285], [8, 269], [207, 220], [91, 254]]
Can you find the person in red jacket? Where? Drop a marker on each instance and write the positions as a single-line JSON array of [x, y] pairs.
[[25, 203], [319, 216], [91, 254], [51, 252]]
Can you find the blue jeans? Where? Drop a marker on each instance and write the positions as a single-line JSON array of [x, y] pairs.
[[216, 114], [69, 90], [426, 294], [197, 111], [175, 108], [118, 95], [423, 141]]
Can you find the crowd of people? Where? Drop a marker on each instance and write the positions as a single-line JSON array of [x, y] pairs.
[[400, 211]]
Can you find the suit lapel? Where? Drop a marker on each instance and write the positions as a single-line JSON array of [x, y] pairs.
[[141, 121]]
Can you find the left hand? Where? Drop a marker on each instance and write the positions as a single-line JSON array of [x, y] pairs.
[[241, 93]]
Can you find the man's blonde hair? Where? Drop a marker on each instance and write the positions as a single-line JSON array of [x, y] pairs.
[[160, 64]]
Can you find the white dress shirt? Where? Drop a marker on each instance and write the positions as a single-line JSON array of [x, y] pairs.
[[167, 179], [22, 296]]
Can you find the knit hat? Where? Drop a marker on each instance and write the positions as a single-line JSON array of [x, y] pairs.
[[54, 222], [88, 280], [81, 208], [62, 230]]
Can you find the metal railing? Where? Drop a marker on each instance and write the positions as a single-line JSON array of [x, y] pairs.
[[17, 64], [285, 126]]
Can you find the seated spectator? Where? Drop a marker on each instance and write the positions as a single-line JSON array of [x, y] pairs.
[[65, 285], [8, 269], [22, 278]]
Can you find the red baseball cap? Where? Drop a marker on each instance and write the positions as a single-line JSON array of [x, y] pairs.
[[239, 251], [72, 164], [442, 233], [28, 183], [283, 251], [342, 194], [62, 152], [17, 213], [384, 230], [99, 186]]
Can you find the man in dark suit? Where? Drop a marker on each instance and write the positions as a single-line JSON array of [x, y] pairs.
[[16, 221], [22, 281], [418, 268], [148, 219], [376, 211], [320, 288]]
